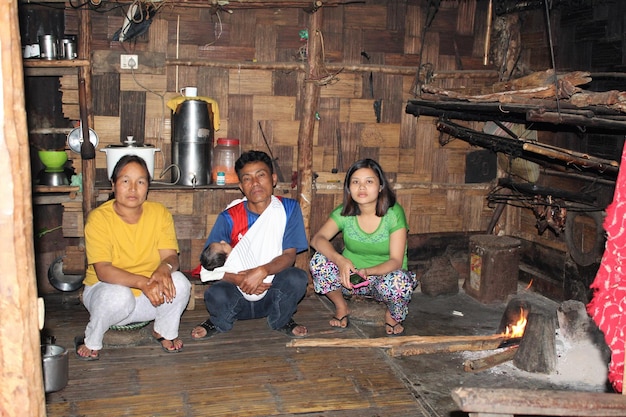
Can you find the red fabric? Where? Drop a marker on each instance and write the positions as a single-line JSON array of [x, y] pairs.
[[609, 286]]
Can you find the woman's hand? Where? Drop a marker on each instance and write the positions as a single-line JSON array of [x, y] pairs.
[[160, 287]]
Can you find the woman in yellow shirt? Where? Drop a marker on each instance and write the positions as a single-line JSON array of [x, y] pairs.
[[132, 256]]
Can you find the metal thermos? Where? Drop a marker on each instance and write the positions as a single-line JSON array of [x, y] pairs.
[[192, 143], [48, 47]]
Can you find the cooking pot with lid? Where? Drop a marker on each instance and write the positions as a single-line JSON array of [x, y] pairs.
[[115, 152]]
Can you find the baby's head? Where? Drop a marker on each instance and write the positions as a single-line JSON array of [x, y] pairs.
[[214, 255]]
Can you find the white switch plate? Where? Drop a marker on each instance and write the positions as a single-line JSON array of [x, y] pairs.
[[125, 59]]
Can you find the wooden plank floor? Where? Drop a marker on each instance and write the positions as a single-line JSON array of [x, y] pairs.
[[246, 372]]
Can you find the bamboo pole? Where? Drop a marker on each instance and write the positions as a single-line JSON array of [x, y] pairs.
[[22, 391], [292, 66]]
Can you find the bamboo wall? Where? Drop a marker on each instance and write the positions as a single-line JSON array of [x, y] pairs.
[[430, 179]]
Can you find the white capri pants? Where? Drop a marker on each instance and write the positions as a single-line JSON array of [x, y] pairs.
[[112, 304]]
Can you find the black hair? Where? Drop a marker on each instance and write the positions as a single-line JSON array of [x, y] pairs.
[[212, 259], [386, 195], [125, 160], [253, 156]]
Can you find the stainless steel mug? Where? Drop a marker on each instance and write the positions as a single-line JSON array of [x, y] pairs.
[[68, 49]]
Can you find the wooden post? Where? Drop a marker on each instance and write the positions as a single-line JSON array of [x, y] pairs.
[[21, 392], [307, 128], [86, 113]]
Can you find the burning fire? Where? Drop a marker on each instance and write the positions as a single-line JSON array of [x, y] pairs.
[[517, 329]]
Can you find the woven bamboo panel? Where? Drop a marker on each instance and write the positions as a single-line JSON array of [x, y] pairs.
[[465, 17], [389, 159], [380, 135], [72, 221], [107, 101], [143, 82], [157, 34], [374, 17], [425, 178], [446, 223], [189, 227], [273, 108], [241, 81], [357, 111], [285, 133], [349, 85], [430, 54]]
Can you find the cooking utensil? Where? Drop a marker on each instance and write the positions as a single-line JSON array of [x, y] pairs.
[[59, 280], [75, 139], [115, 152]]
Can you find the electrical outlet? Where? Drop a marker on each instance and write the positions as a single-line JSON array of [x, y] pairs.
[[129, 61]]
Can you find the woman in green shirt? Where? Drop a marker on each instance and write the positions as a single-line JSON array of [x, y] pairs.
[[374, 230]]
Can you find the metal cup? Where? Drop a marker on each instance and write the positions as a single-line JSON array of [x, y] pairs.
[[68, 49], [48, 47]]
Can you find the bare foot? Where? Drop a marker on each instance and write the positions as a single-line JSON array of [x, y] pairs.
[[168, 345], [341, 318], [198, 332], [84, 352], [392, 327], [300, 331]]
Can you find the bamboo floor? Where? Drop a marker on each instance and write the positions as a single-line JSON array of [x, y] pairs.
[[248, 371]]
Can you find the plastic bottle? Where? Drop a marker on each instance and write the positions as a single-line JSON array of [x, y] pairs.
[[225, 154]]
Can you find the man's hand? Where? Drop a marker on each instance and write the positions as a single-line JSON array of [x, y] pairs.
[[252, 280]]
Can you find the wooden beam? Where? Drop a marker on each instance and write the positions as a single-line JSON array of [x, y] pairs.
[[307, 127], [539, 402], [22, 391]]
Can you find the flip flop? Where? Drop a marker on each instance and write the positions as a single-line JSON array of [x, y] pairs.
[[287, 329], [393, 329], [78, 342], [340, 320], [161, 339], [210, 328]]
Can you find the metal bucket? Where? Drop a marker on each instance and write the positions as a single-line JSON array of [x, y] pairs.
[[192, 143], [48, 47], [55, 367]]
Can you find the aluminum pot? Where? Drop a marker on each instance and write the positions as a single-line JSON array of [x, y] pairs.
[[61, 281], [55, 367]]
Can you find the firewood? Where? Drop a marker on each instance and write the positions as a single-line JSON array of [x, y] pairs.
[[537, 350], [480, 364]]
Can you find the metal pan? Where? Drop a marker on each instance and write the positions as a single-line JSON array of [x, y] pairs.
[[63, 282], [75, 139]]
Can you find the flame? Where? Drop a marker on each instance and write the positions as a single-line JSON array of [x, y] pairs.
[[516, 329], [529, 284]]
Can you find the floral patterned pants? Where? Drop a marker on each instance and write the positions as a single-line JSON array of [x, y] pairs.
[[393, 289]]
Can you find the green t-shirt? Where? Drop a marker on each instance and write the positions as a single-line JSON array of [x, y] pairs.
[[369, 249]]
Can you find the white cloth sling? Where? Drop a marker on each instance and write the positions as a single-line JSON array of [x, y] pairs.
[[262, 242]]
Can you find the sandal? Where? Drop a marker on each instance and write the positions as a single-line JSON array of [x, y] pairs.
[[340, 320], [393, 329], [80, 341], [160, 340], [210, 328], [288, 328]]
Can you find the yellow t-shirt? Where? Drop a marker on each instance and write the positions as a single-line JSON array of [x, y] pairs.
[[132, 247]]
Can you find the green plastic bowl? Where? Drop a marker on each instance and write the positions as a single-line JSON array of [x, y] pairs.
[[53, 160]]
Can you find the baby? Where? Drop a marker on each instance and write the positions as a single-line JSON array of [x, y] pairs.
[[214, 255]]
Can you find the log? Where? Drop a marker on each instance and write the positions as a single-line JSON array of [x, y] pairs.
[[508, 401], [22, 390], [569, 157], [413, 342], [537, 350], [480, 364]]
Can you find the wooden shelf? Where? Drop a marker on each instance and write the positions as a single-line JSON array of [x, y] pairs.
[[47, 194], [55, 63]]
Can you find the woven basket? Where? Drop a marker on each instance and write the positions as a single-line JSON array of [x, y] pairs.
[[130, 326]]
